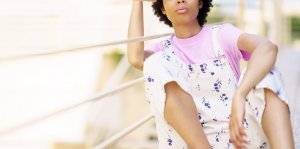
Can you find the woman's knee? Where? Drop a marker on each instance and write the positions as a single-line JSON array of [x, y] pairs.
[[171, 100], [173, 89], [176, 98], [272, 98]]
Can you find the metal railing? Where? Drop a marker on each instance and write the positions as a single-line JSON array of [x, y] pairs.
[[91, 99], [34, 53], [123, 133], [108, 91]]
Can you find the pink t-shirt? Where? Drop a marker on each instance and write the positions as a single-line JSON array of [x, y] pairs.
[[199, 48]]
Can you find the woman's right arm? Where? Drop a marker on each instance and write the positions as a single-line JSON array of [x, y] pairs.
[[135, 50]]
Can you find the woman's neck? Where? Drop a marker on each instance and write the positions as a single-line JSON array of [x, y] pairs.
[[186, 31]]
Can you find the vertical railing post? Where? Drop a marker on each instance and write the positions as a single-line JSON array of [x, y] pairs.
[[241, 13], [277, 12]]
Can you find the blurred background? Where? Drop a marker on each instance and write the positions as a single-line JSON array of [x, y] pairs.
[[31, 87]]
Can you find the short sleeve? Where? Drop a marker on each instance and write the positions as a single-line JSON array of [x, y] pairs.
[[228, 36], [154, 47]]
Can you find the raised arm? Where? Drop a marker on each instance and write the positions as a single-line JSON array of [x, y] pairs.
[[263, 57], [135, 51]]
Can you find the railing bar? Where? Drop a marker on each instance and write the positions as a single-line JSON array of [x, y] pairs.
[[47, 116], [123, 133], [48, 52]]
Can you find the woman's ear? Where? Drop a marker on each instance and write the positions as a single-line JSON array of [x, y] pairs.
[[200, 4], [163, 10]]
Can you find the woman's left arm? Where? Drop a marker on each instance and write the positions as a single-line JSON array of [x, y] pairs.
[[263, 56]]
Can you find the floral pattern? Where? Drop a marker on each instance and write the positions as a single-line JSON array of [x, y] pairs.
[[212, 86]]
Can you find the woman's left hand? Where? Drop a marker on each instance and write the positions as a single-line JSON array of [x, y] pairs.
[[237, 132]]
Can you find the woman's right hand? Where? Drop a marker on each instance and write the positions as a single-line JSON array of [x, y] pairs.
[[237, 133]]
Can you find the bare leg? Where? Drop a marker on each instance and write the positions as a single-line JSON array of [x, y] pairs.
[[181, 114], [276, 122]]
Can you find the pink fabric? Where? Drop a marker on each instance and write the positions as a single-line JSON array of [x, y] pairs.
[[199, 48]]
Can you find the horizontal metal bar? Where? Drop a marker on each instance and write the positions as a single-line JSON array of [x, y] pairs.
[[123, 133], [47, 116], [57, 51]]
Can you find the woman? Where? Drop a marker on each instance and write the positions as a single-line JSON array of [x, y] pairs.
[[192, 82]]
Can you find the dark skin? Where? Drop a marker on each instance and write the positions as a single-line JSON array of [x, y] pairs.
[[263, 56]]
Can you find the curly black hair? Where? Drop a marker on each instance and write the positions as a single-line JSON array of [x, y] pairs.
[[158, 5]]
